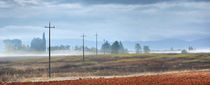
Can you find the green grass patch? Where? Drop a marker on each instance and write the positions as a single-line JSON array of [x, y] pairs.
[[86, 63], [127, 60], [138, 57]]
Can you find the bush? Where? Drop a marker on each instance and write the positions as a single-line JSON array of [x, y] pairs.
[[183, 51]]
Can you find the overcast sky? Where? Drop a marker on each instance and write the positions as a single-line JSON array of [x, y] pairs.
[[126, 20]]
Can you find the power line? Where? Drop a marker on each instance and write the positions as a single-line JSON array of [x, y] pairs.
[[49, 67]]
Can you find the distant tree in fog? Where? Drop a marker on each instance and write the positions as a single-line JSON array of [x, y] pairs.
[[25, 48], [190, 48], [13, 45], [118, 48], [138, 48], [89, 49], [172, 49], [106, 47], [121, 51], [184, 51], [146, 49], [61, 47], [38, 44], [77, 48], [115, 48]]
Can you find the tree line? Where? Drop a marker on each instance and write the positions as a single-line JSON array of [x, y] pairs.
[[38, 44], [139, 49], [114, 48]]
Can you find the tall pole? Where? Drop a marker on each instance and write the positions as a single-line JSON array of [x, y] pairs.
[[96, 44], [49, 67], [104, 47], [83, 47]]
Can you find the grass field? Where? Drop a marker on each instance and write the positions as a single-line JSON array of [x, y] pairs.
[[102, 65]]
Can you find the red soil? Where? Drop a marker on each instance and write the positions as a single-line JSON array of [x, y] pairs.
[[182, 78]]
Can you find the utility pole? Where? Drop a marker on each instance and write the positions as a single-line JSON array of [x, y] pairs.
[[96, 44], [49, 68], [83, 47], [104, 47]]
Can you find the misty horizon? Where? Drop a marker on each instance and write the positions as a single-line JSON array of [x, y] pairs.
[[125, 21], [138, 21]]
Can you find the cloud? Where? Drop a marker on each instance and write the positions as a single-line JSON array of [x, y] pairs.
[[4, 4], [149, 20], [26, 2], [126, 2]]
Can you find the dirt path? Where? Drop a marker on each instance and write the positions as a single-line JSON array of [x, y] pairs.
[[181, 78]]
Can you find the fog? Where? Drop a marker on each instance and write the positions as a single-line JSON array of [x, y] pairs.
[[177, 51], [62, 53], [28, 55], [193, 51], [44, 54]]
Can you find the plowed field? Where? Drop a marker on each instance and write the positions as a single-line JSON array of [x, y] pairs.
[[182, 78]]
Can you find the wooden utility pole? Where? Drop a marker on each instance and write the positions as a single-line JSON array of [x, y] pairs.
[[49, 67], [104, 47], [83, 47], [96, 44]]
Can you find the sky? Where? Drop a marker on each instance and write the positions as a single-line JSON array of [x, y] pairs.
[[125, 20]]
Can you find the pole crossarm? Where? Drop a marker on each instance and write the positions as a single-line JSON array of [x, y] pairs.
[[49, 26]]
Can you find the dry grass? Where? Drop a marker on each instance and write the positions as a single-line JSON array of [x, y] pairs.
[[102, 65]]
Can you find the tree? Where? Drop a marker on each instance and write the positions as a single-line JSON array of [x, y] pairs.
[[106, 47], [61, 47], [121, 49], [184, 51], [138, 48], [8, 45], [115, 48], [13, 45], [118, 48], [172, 49], [190, 48], [37, 44], [77, 48], [25, 48], [68, 47], [146, 49]]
